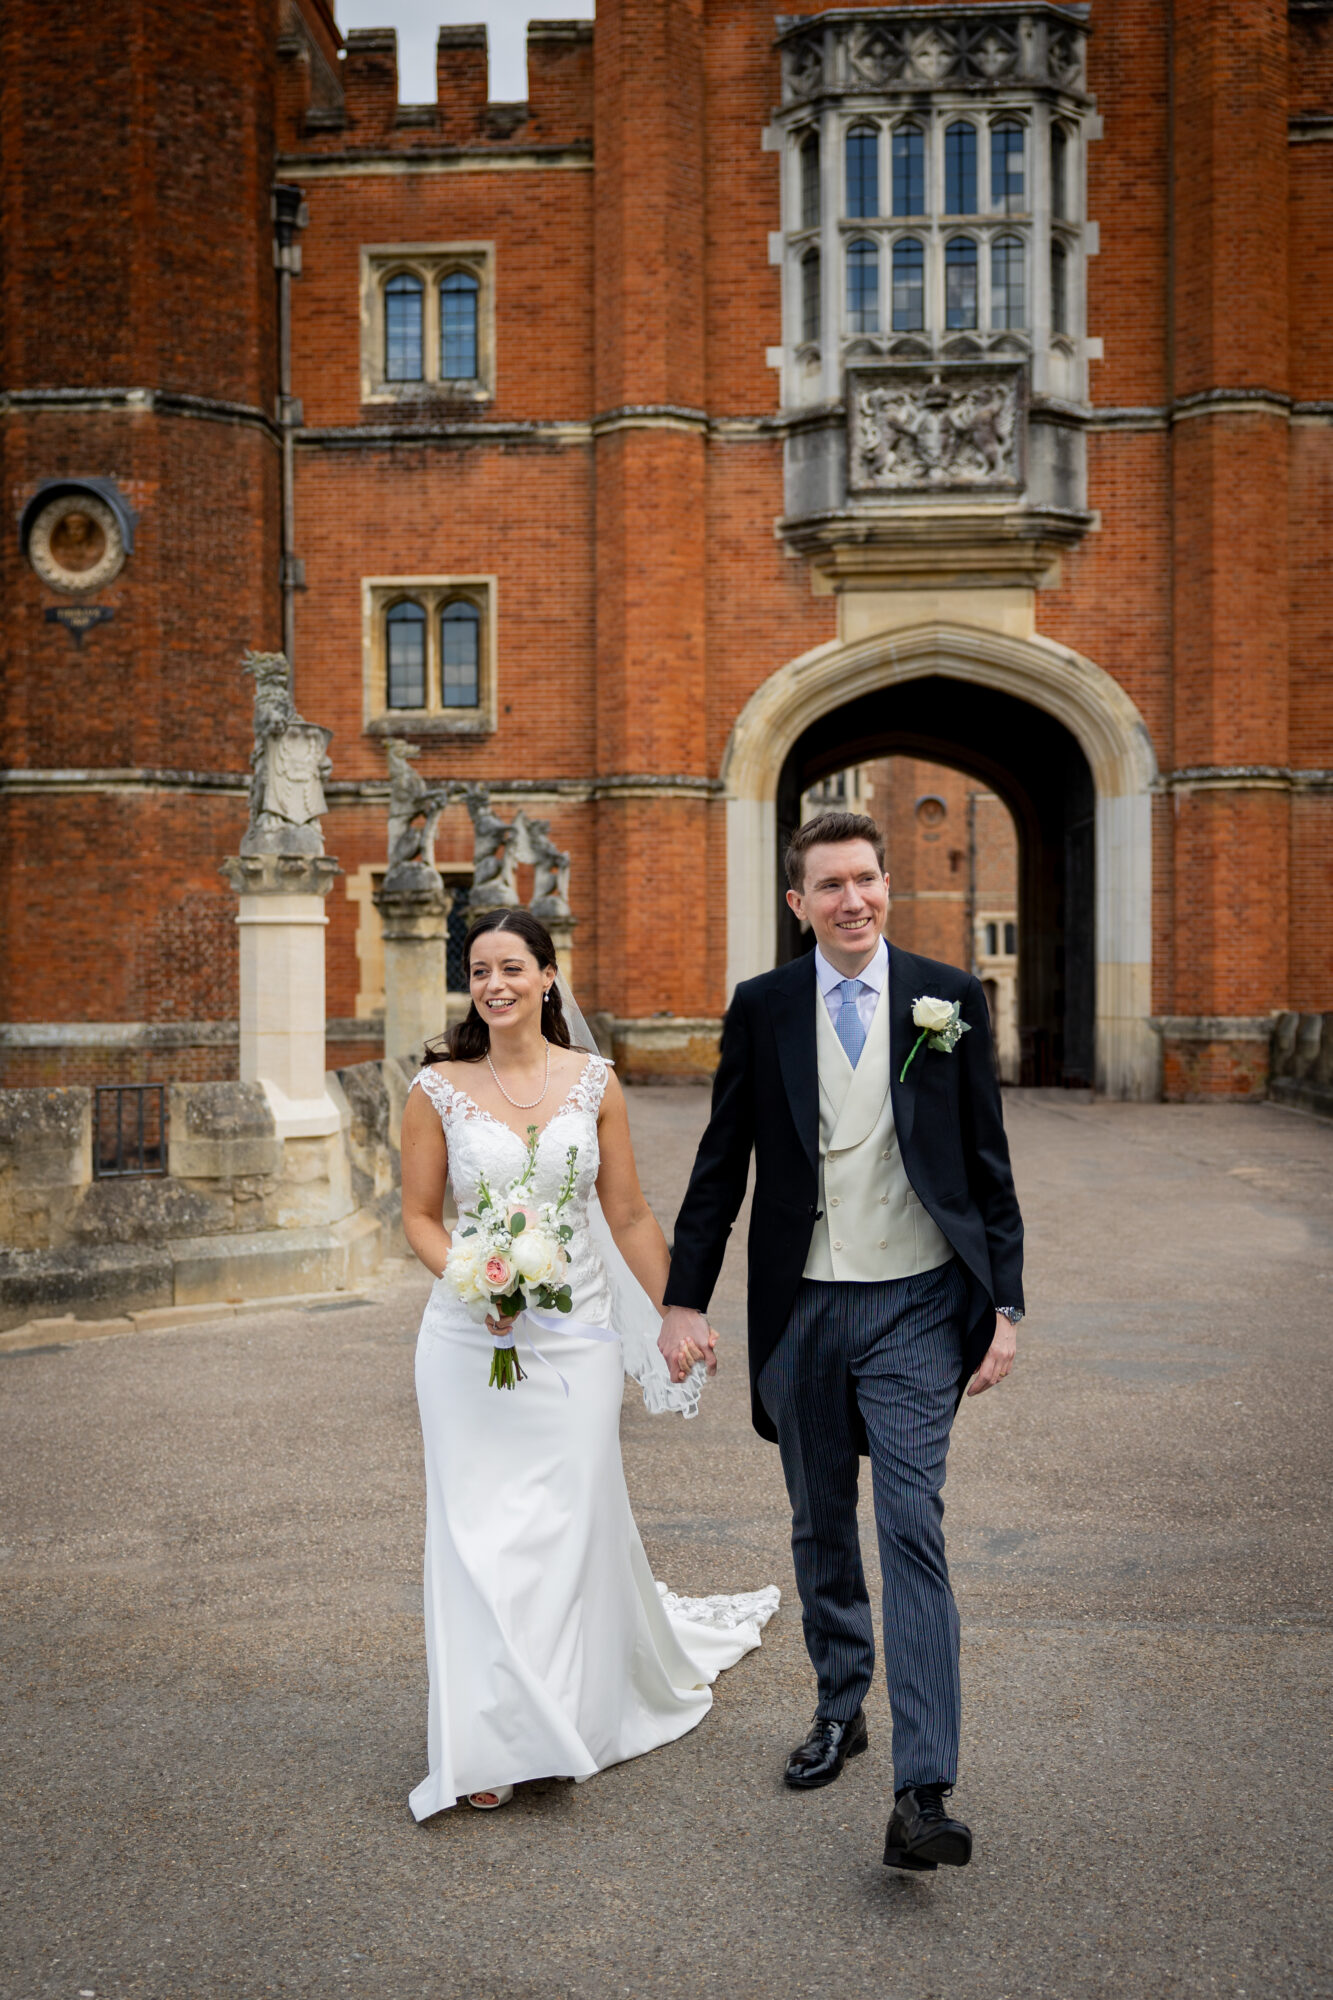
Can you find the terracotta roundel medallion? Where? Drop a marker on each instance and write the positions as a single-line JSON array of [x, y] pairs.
[[76, 543]]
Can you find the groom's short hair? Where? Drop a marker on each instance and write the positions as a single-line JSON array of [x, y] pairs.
[[829, 830]]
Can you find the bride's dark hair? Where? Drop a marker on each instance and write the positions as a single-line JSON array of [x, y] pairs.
[[470, 1039]]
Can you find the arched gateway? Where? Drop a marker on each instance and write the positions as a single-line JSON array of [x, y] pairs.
[[1053, 734]]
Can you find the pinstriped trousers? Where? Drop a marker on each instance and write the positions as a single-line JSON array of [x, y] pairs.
[[893, 1351]]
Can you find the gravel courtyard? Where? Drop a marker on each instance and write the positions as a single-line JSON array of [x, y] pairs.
[[214, 1687]]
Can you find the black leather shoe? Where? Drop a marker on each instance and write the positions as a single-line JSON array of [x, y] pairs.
[[921, 1834], [819, 1760]]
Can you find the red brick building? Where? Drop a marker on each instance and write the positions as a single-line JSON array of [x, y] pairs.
[[944, 381]]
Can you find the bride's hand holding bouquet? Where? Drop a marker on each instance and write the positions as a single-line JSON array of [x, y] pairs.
[[511, 1254]]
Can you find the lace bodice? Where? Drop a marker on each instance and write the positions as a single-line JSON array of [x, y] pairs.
[[480, 1144]]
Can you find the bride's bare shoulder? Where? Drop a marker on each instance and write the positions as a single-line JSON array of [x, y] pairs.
[[568, 1065], [436, 1080], [455, 1073]]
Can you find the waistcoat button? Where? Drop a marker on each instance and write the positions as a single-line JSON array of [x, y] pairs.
[[883, 1244], [834, 1200], [837, 1243]]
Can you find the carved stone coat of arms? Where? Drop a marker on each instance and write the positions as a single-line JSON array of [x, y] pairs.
[[930, 429]]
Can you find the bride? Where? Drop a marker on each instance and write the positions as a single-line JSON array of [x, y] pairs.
[[551, 1651]]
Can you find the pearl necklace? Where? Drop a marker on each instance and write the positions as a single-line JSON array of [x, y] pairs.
[[518, 1106]]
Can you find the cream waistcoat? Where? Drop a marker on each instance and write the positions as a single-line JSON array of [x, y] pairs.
[[873, 1226]]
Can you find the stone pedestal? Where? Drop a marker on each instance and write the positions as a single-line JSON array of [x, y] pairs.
[[414, 908], [282, 922]]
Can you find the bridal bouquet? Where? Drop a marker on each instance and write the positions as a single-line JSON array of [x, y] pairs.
[[511, 1254]]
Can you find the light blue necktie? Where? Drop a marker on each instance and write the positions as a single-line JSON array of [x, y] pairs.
[[848, 1027]]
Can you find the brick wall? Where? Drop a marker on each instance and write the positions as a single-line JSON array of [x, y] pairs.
[[642, 594]]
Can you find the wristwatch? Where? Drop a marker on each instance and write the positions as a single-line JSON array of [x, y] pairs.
[[1012, 1313]]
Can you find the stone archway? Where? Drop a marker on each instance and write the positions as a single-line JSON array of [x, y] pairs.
[[1050, 678]]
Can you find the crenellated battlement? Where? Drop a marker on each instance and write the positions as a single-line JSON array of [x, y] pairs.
[[462, 78], [370, 80], [560, 80], [364, 112]]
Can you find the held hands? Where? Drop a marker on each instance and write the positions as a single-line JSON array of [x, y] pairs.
[[998, 1358], [686, 1337]]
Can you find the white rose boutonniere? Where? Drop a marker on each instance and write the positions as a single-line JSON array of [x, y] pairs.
[[942, 1025]]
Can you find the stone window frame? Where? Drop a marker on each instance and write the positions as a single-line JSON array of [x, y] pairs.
[[431, 263], [812, 371], [379, 594], [936, 228]]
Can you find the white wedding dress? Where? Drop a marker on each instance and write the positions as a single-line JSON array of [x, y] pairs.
[[550, 1649]]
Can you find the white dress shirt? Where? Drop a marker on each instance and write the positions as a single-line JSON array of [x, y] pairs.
[[874, 979]]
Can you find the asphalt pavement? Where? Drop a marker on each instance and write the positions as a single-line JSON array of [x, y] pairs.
[[214, 1684]]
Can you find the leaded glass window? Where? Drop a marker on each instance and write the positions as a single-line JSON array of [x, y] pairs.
[[1008, 305], [960, 169], [862, 287], [810, 181], [960, 282], [863, 170], [460, 654], [405, 654], [458, 326], [810, 295], [403, 297], [909, 170], [1059, 289], [1059, 172], [1006, 168], [909, 285]]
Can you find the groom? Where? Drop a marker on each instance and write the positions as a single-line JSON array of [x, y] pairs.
[[885, 1265]]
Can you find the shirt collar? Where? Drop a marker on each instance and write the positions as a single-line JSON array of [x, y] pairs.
[[874, 975]]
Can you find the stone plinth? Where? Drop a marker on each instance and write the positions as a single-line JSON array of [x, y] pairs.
[[414, 908], [282, 923]]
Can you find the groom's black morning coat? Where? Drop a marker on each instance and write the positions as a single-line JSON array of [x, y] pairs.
[[766, 1098]]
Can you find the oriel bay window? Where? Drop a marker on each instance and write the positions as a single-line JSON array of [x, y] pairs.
[[1007, 292], [1059, 288], [863, 170], [909, 170], [909, 285], [1059, 172], [1007, 195], [429, 645], [951, 224], [810, 279], [810, 181], [960, 169], [960, 282], [862, 287], [427, 322]]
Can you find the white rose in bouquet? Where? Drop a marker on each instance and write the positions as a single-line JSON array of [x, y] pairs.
[[932, 1015], [538, 1257], [465, 1270]]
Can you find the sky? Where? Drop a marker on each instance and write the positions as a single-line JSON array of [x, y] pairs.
[[418, 20]]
